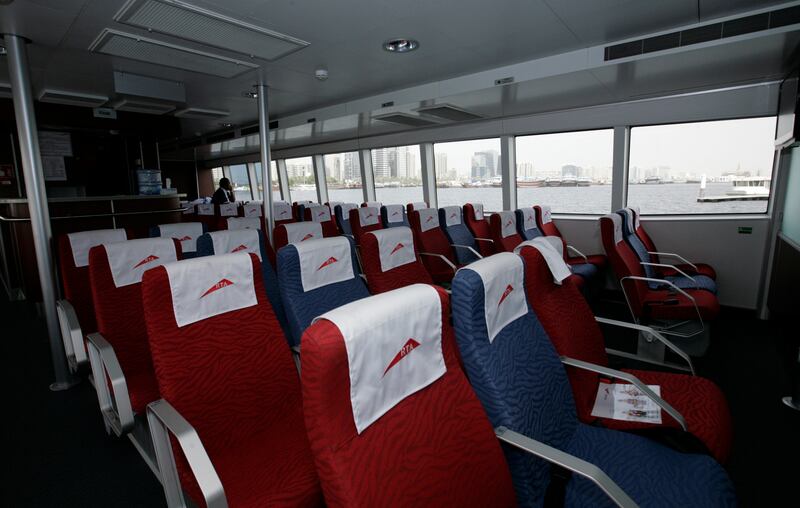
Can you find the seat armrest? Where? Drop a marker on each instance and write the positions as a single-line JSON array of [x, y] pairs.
[[676, 256], [666, 283], [665, 265], [567, 461], [653, 333], [115, 404], [71, 335], [618, 374], [468, 248], [443, 258], [165, 421], [579, 253], [484, 239]]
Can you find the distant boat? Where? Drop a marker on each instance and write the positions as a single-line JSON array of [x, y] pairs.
[[569, 181], [692, 180], [552, 182], [584, 181], [750, 186], [530, 183], [652, 179]]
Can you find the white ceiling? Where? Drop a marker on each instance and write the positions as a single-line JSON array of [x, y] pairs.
[[457, 37]]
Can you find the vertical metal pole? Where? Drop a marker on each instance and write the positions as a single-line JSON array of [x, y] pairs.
[[508, 170], [427, 169], [37, 200], [266, 174], [321, 177], [619, 170]]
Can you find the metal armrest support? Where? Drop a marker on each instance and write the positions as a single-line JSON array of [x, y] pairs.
[[71, 335], [665, 265], [663, 404], [668, 283], [468, 248], [676, 256], [484, 239], [115, 404], [443, 258], [567, 461], [653, 333], [579, 253], [165, 420]]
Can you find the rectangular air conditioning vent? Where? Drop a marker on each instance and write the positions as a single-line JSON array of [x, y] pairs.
[[140, 106], [252, 129], [72, 98], [202, 114], [705, 33], [125, 45], [225, 136], [185, 21], [448, 112], [405, 119]]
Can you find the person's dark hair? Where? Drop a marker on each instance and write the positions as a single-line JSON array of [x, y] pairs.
[[224, 183]]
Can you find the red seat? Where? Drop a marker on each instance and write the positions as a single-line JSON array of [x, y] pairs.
[[322, 214], [419, 205], [295, 232], [363, 220], [232, 377], [479, 226], [503, 230], [206, 213], [430, 239], [545, 223], [298, 207], [390, 260], [435, 447], [568, 321]]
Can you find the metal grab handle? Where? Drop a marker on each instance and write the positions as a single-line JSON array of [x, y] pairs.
[[674, 287], [479, 239], [71, 334], [642, 328], [93, 215], [116, 409], [665, 265], [579, 253], [676, 256], [443, 258], [468, 248]]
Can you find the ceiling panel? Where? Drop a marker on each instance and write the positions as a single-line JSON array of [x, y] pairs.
[[43, 22], [718, 8]]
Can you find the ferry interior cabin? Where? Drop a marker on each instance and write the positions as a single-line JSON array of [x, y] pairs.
[[391, 254]]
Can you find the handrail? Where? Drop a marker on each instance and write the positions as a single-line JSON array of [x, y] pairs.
[[93, 215]]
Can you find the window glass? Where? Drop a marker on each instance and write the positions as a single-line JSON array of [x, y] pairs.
[[668, 164], [343, 175], [469, 172], [216, 176], [240, 182], [302, 185], [276, 186], [398, 179], [569, 171]]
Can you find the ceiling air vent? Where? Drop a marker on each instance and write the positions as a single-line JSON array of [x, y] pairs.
[[186, 21], [225, 136], [72, 98], [251, 129], [116, 43], [140, 106], [448, 112], [202, 114], [704, 33], [405, 119]]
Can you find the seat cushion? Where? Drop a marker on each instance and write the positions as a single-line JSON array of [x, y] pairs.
[[696, 282], [598, 260], [702, 269], [666, 478], [707, 304], [585, 270]]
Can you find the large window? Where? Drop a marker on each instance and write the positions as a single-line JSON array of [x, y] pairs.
[[276, 186], [670, 163], [569, 171], [240, 182], [216, 175], [302, 185], [397, 174], [343, 175], [469, 172]]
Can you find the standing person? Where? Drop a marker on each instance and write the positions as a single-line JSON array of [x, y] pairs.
[[224, 194]]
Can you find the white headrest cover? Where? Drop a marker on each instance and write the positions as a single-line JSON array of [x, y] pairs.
[[229, 209], [304, 202], [346, 207], [209, 286], [395, 247], [394, 348], [320, 213], [428, 218], [324, 261], [452, 215], [130, 259], [83, 241], [282, 210], [636, 221], [394, 213], [205, 209], [374, 204], [419, 205], [617, 220], [297, 232], [478, 209], [253, 209], [367, 216], [231, 241], [236, 223], [528, 218], [508, 224], [185, 232], [503, 290], [547, 215], [551, 249]]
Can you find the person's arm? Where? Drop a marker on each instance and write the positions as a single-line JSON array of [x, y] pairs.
[[231, 196]]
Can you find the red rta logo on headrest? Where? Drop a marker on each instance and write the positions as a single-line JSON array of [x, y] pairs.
[[146, 260], [453, 215], [396, 212], [397, 248], [216, 287], [328, 262], [184, 238], [284, 212], [430, 218], [321, 213], [509, 223], [239, 248], [409, 346], [369, 215], [307, 237], [507, 292], [529, 218]]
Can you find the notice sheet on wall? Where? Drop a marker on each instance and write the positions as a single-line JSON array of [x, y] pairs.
[[54, 168]]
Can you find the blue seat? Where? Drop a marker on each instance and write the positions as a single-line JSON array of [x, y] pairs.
[[316, 276], [394, 216], [342, 214], [186, 233], [224, 242], [695, 282], [451, 220], [526, 223], [523, 386]]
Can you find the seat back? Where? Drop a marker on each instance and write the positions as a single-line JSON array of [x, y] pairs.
[[430, 238], [390, 260], [322, 215], [623, 261], [417, 205], [240, 223], [221, 359], [298, 209], [363, 220], [503, 229], [342, 214], [512, 365], [640, 231], [394, 216], [73, 259], [391, 417], [316, 276], [635, 243], [205, 213], [295, 232], [282, 213], [544, 221], [526, 223], [478, 224], [186, 233], [457, 233], [252, 209]]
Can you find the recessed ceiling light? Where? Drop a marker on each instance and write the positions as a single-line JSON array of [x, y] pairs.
[[400, 45], [250, 95], [225, 124]]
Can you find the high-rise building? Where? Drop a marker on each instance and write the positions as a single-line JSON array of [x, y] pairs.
[[571, 170], [351, 169], [380, 163], [441, 163], [485, 164], [525, 169]]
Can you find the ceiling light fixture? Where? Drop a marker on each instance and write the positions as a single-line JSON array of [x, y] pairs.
[[400, 45], [250, 95], [226, 125]]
